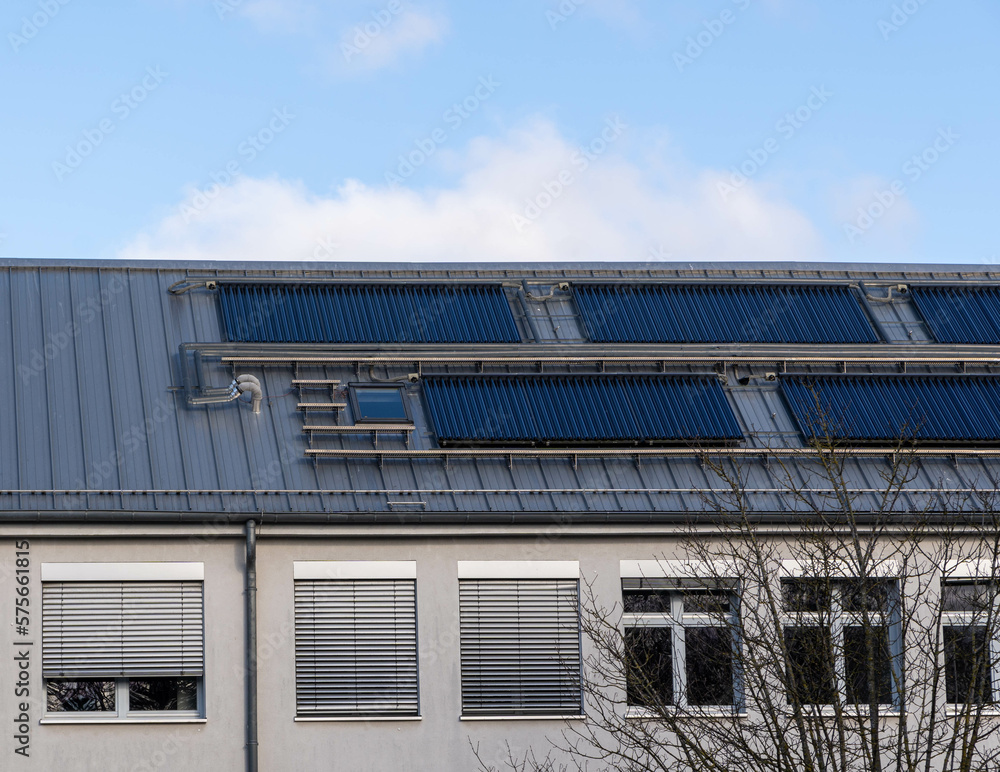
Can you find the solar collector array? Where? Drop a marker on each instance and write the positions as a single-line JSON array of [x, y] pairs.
[[936, 409], [579, 409], [960, 314], [722, 313], [366, 313]]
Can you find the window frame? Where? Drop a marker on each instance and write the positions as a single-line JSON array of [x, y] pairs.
[[521, 571], [123, 572], [352, 391], [357, 571], [123, 711], [679, 621], [836, 619], [966, 620]]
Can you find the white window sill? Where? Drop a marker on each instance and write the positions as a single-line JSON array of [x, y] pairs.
[[959, 710], [712, 713], [849, 711], [123, 721], [316, 719], [523, 718]]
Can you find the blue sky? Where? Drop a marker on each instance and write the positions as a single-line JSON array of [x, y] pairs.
[[863, 131]]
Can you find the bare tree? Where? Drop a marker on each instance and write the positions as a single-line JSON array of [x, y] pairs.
[[858, 633]]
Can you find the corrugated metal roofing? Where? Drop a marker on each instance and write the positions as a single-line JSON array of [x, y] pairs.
[[935, 408], [579, 409], [960, 314], [716, 313], [93, 419], [372, 313]]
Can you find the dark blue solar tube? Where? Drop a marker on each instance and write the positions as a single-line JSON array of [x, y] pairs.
[[359, 313], [960, 314], [719, 313], [937, 409], [579, 409]]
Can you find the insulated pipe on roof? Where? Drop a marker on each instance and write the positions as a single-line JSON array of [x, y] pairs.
[[556, 285], [250, 383], [243, 383], [216, 396], [902, 290]]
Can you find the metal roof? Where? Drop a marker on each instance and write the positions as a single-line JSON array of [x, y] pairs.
[[737, 271], [94, 415]]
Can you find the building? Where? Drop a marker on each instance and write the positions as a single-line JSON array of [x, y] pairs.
[[400, 463]]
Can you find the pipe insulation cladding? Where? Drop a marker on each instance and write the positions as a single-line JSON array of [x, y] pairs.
[[242, 384], [250, 383]]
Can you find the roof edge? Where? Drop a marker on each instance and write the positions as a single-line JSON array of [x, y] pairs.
[[526, 267]]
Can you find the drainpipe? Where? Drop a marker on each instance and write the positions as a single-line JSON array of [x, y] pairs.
[[251, 645]]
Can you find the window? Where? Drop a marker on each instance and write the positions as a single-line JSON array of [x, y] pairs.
[[123, 640], [355, 639], [970, 651], [520, 638], [379, 403], [831, 628], [679, 643]]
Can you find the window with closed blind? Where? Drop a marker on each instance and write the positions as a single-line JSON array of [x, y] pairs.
[[355, 639], [123, 640], [520, 638]]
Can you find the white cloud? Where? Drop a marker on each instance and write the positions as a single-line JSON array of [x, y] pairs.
[[387, 37], [376, 35], [279, 15], [610, 210]]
